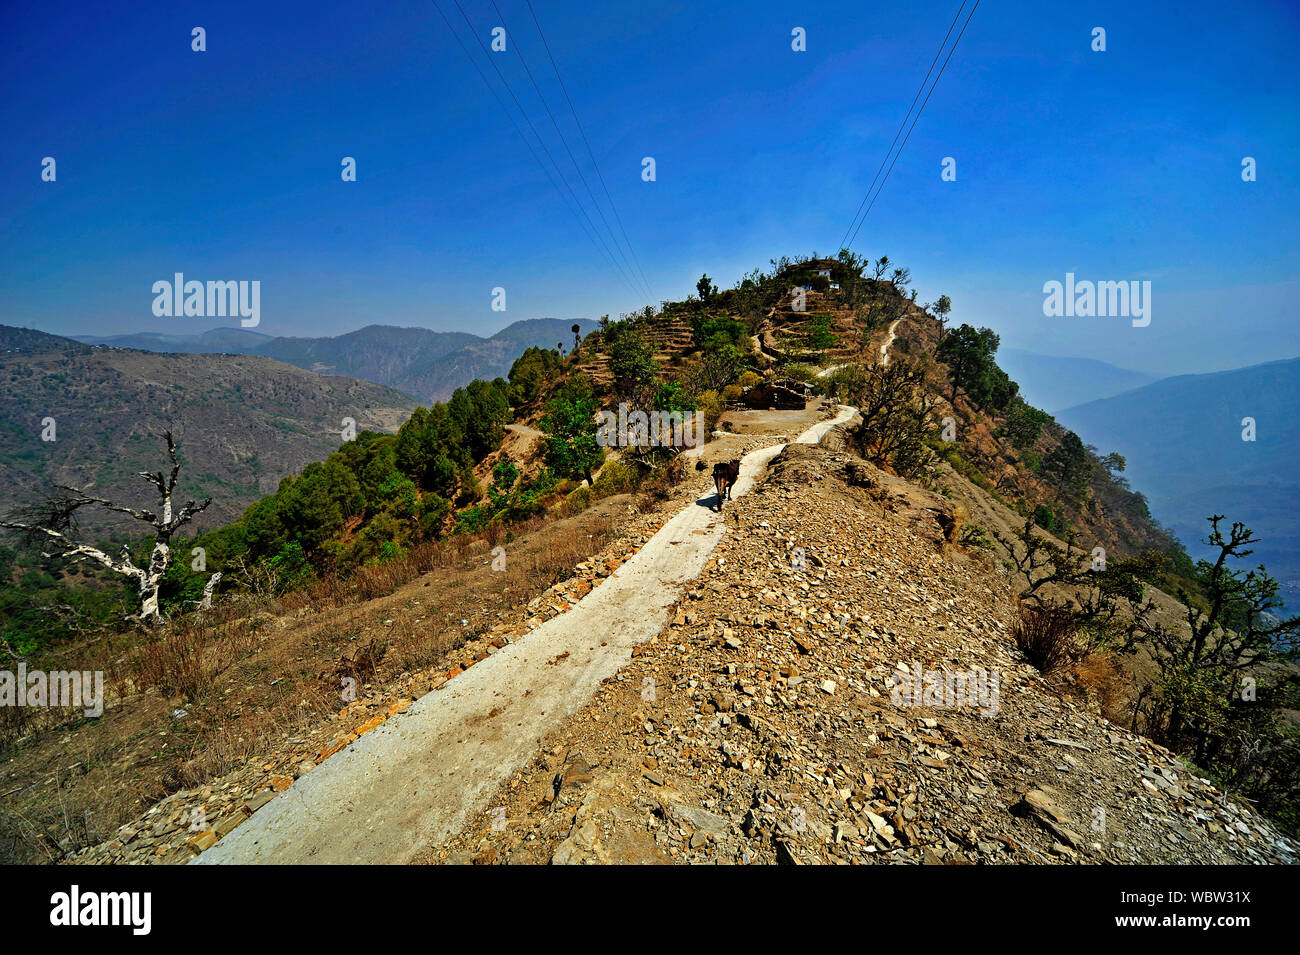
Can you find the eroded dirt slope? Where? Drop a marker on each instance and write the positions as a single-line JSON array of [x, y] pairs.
[[759, 725]]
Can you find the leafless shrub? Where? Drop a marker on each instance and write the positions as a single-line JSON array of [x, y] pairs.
[[1047, 635]]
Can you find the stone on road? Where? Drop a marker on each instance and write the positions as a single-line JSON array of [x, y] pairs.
[[421, 776]]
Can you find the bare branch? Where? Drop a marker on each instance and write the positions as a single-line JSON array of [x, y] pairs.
[[83, 498]]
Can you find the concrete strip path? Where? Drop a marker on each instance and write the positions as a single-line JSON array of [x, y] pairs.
[[422, 775], [889, 340]]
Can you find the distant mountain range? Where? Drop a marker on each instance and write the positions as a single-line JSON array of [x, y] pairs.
[[242, 422], [425, 364], [1051, 382], [1182, 437]]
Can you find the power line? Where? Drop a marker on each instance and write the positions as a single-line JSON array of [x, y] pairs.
[[541, 142], [515, 123], [918, 116], [587, 142], [563, 141], [890, 150], [580, 213]]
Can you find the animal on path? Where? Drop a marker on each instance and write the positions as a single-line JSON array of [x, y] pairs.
[[725, 475]]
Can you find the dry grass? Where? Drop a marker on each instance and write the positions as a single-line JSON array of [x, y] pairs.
[[1100, 676], [1047, 636], [258, 669]]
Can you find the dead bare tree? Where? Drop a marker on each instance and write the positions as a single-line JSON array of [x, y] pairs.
[[55, 519]]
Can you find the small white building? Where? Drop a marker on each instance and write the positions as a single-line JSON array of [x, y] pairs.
[[824, 272]]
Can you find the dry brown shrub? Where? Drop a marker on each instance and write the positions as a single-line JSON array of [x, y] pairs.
[[1100, 674], [1048, 636]]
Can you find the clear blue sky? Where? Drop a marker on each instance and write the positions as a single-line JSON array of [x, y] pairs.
[[225, 164]]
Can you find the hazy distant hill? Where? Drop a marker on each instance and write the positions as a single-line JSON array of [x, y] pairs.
[[24, 340], [403, 358], [235, 341], [1052, 383], [425, 364], [1183, 440], [243, 422]]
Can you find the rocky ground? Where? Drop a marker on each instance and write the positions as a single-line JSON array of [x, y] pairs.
[[768, 723], [183, 824]]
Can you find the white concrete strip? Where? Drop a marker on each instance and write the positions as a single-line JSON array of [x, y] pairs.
[[422, 775]]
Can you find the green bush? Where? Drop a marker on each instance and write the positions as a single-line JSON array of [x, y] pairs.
[[615, 478], [713, 332], [579, 498], [433, 511], [473, 519], [800, 371], [819, 336], [1044, 517]]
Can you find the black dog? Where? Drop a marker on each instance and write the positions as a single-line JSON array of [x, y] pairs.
[[725, 476]]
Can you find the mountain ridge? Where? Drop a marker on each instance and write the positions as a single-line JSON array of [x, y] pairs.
[[1053, 382], [1182, 437], [426, 364], [258, 420]]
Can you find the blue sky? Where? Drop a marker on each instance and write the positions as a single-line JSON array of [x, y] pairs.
[[226, 164]]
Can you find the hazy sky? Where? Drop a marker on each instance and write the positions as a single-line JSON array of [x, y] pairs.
[[225, 164]]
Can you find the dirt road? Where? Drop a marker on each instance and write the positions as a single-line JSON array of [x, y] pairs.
[[419, 777]]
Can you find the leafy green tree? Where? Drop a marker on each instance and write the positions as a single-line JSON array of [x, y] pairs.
[[433, 511], [1069, 466], [1024, 423], [291, 566], [532, 369], [713, 332], [941, 309], [820, 336], [1236, 631], [896, 413], [850, 275], [569, 433], [504, 476], [968, 352], [672, 396], [631, 361], [491, 412]]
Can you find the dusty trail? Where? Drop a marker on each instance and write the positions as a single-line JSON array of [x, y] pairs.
[[419, 777], [889, 340]]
